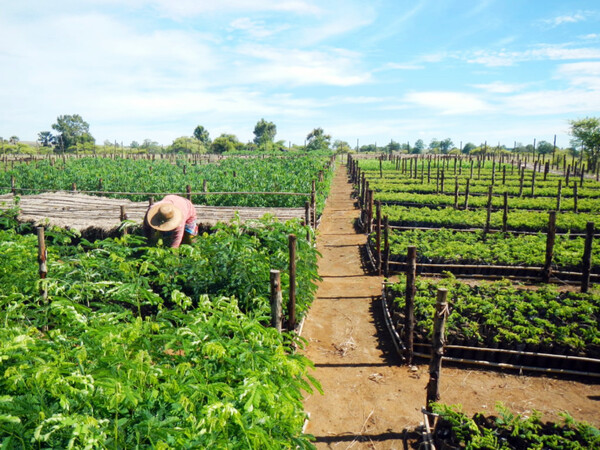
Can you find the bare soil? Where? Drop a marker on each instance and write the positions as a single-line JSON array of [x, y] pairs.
[[369, 397]]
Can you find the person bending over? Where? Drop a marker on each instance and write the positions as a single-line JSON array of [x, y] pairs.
[[174, 218]]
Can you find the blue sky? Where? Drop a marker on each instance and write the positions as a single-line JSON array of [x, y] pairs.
[[495, 70]]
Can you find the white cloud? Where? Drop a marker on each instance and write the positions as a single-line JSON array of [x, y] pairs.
[[180, 9], [256, 28], [550, 102], [399, 66], [560, 20], [448, 103], [582, 74], [334, 67], [498, 87], [543, 52]]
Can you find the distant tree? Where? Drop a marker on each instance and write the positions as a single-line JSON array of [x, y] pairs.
[[317, 140], [151, 146], [434, 145], [341, 146], [134, 144], [586, 133], [368, 148], [72, 130], [264, 133], [46, 139], [393, 146], [201, 134], [185, 144], [544, 147], [225, 143], [468, 148], [418, 147], [445, 145], [14, 140]]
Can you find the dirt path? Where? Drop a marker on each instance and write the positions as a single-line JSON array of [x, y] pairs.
[[369, 397]]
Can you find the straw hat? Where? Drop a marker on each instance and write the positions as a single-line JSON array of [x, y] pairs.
[[164, 217]]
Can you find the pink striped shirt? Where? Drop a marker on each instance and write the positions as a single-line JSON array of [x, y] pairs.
[[189, 218]]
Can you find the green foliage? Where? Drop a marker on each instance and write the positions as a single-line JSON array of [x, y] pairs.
[[501, 313], [264, 133], [202, 135], [449, 246], [185, 144], [268, 174], [510, 431], [317, 140], [72, 130], [138, 347]]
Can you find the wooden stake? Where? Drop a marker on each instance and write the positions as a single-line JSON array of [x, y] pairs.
[[437, 348], [378, 237], [505, 214], [489, 211], [276, 300], [575, 197], [587, 257], [467, 194], [550, 238], [409, 306], [292, 295], [558, 195], [386, 246], [42, 258]]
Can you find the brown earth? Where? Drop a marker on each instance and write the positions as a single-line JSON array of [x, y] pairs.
[[369, 397]]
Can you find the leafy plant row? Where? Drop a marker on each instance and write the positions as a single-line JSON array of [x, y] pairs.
[[505, 315], [528, 203], [444, 246], [229, 175], [138, 347], [507, 430], [512, 187], [517, 220]]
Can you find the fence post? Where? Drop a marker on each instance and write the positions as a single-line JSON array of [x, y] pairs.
[[587, 257], [292, 268], [558, 195], [437, 348], [188, 190], [409, 306], [378, 236], [489, 210], [42, 258], [123, 216], [276, 300], [505, 213], [386, 246], [313, 204], [467, 188], [547, 271]]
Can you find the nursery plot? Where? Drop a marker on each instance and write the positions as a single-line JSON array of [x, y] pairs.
[[124, 345]]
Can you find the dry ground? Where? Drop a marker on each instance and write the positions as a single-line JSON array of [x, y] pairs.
[[369, 397]]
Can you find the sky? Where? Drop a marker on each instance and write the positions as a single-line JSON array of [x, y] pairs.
[[366, 72]]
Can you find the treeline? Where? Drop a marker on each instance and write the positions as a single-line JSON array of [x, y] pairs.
[[71, 134]]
